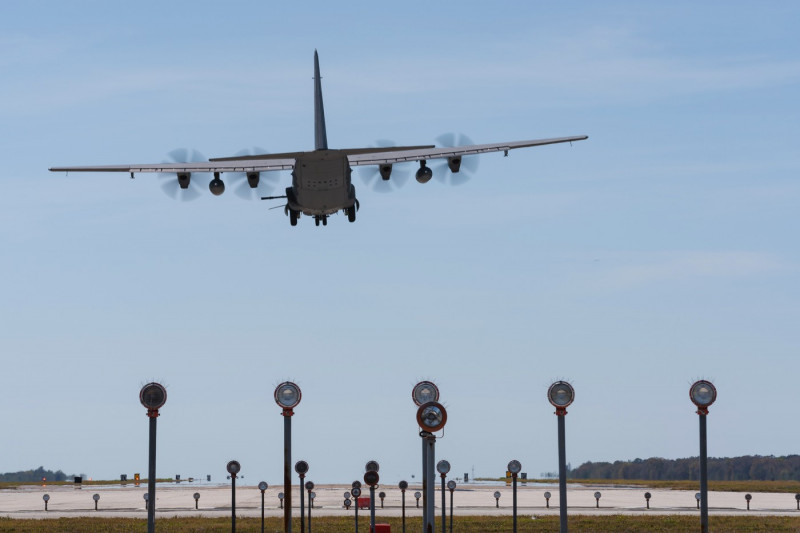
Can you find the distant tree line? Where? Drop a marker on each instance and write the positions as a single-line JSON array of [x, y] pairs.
[[745, 468], [34, 475]]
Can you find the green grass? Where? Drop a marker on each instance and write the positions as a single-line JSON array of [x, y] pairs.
[[475, 524]]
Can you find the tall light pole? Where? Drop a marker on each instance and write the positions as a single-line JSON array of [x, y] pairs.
[[403, 485], [451, 486], [371, 478], [703, 394], [233, 468], [287, 396], [153, 396], [263, 488], [309, 487], [514, 467], [301, 467], [443, 467], [356, 492], [561, 394], [422, 393], [431, 417]]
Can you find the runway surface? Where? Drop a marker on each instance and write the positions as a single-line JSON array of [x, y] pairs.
[[215, 500]]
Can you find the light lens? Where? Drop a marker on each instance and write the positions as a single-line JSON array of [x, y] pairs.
[[287, 395], [371, 478], [561, 394], [234, 467], [424, 392], [153, 396], [443, 466], [703, 393], [431, 416], [451, 485], [372, 465], [514, 467], [262, 486]]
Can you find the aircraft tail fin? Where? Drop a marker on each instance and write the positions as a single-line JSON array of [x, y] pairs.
[[320, 134]]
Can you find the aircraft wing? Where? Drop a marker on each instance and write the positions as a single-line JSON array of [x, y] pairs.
[[395, 156], [250, 165]]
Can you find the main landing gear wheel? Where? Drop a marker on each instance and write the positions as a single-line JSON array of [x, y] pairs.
[[316, 221], [351, 213], [293, 217]]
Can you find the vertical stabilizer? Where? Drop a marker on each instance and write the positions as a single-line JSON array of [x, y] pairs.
[[320, 135]]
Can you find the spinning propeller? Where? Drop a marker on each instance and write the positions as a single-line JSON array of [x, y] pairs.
[[466, 165], [264, 182], [371, 175], [171, 183]]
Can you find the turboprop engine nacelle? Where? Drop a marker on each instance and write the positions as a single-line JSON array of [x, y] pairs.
[[386, 172], [252, 179], [454, 163], [183, 179]]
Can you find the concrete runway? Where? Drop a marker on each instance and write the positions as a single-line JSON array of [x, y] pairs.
[[469, 499]]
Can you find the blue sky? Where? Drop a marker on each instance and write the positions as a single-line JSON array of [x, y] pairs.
[[662, 250]]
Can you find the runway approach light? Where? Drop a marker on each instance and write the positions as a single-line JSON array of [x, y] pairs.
[[424, 392], [301, 467], [153, 396], [431, 416], [372, 465], [443, 467], [514, 467], [561, 395], [703, 394], [287, 395]]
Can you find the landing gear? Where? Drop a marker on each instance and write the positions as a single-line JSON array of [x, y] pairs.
[[351, 213], [293, 217], [323, 218]]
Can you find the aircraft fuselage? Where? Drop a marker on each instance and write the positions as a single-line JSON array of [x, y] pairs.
[[321, 183]]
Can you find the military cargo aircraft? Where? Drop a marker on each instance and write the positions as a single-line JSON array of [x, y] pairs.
[[321, 178]]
